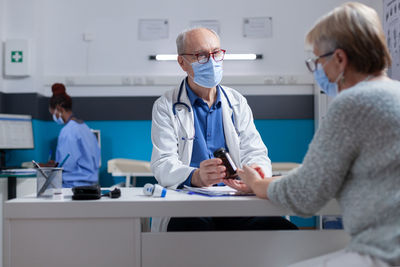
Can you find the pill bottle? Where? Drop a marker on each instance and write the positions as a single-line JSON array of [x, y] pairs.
[[227, 162]]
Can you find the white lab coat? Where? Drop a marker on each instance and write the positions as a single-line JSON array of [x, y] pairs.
[[172, 137]]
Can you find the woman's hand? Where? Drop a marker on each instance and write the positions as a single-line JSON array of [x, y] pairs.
[[258, 169], [249, 175], [255, 181], [238, 185]]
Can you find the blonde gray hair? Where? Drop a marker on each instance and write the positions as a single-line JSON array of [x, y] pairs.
[[355, 28], [180, 40]]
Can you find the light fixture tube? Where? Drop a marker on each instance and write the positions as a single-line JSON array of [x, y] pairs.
[[170, 57], [240, 57], [163, 57]]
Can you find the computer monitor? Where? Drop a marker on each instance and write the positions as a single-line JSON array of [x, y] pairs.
[[98, 137], [16, 132]]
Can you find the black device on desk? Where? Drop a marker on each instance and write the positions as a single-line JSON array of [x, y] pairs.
[[116, 193], [88, 192]]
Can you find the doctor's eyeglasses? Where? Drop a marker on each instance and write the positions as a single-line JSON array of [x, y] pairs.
[[203, 58], [312, 63]]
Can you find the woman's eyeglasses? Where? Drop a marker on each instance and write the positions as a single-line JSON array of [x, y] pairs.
[[312, 63]]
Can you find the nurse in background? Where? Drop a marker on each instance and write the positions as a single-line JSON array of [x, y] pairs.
[[75, 139]]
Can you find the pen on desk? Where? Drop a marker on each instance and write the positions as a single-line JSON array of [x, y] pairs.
[[50, 154], [40, 169], [63, 161]]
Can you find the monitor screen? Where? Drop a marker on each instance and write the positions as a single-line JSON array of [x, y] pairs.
[[97, 134], [98, 137], [16, 131]]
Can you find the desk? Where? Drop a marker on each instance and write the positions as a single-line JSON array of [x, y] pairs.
[[107, 232]]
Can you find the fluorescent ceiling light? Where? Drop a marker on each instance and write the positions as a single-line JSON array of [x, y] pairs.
[[163, 57], [240, 57], [170, 57]]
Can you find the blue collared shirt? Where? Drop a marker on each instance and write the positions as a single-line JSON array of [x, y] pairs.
[[209, 129]]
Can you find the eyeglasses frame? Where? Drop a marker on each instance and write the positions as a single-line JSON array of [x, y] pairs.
[[315, 59], [208, 57]]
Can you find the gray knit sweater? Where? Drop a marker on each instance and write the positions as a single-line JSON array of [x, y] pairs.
[[355, 158]]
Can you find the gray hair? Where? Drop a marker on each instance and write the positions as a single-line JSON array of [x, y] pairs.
[[326, 46], [356, 29], [180, 40]]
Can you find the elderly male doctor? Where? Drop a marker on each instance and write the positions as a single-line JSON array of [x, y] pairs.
[[192, 121]]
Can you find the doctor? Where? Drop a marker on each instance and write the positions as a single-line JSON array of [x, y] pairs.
[[75, 139], [192, 121]]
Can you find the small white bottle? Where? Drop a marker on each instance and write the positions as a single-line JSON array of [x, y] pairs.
[[154, 190]]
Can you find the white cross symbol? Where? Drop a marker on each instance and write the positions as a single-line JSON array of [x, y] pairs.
[[17, 56]]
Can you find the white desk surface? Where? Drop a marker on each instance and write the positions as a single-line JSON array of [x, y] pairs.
[[133, 203]]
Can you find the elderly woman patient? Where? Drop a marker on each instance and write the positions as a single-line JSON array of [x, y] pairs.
[[355, 154]]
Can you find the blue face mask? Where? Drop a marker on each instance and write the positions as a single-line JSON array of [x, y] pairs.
[[329, 88], [207, 75], [58, 120]]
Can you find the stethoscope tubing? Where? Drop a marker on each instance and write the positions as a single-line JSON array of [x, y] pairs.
[[179, 102]]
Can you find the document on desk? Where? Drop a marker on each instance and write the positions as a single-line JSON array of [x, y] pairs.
[[19, 171], [216, 191]]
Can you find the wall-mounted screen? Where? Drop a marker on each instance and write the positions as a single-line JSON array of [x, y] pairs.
[[16, 131]]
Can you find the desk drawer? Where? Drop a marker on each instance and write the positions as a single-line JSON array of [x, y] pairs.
[[254, 248]]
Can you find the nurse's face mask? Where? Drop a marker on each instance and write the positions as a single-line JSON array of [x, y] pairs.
[[58, 120], [207, 69]]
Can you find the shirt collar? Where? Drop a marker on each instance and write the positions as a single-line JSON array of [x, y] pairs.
[[193, 98]]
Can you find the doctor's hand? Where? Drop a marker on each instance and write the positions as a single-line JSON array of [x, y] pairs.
[[210, 172]]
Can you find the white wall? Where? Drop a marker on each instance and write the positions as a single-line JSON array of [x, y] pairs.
[[56, 30], [2, 22]]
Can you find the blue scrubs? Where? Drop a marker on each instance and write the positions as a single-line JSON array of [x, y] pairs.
[[82, 166], [209, 130]]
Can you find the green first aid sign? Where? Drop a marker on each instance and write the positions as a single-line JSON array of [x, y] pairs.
[[16, 56]]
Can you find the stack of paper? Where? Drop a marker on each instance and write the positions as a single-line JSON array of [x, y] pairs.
[[19, 171], [215, 191]]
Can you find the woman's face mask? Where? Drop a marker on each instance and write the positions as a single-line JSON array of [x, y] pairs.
[[207, 75], [329, 88]]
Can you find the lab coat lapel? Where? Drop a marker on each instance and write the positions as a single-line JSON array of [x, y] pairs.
[[186, 127], [231, 137], [187, 117]]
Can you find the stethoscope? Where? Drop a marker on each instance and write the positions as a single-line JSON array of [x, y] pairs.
[[178, 100], [180, 103]]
